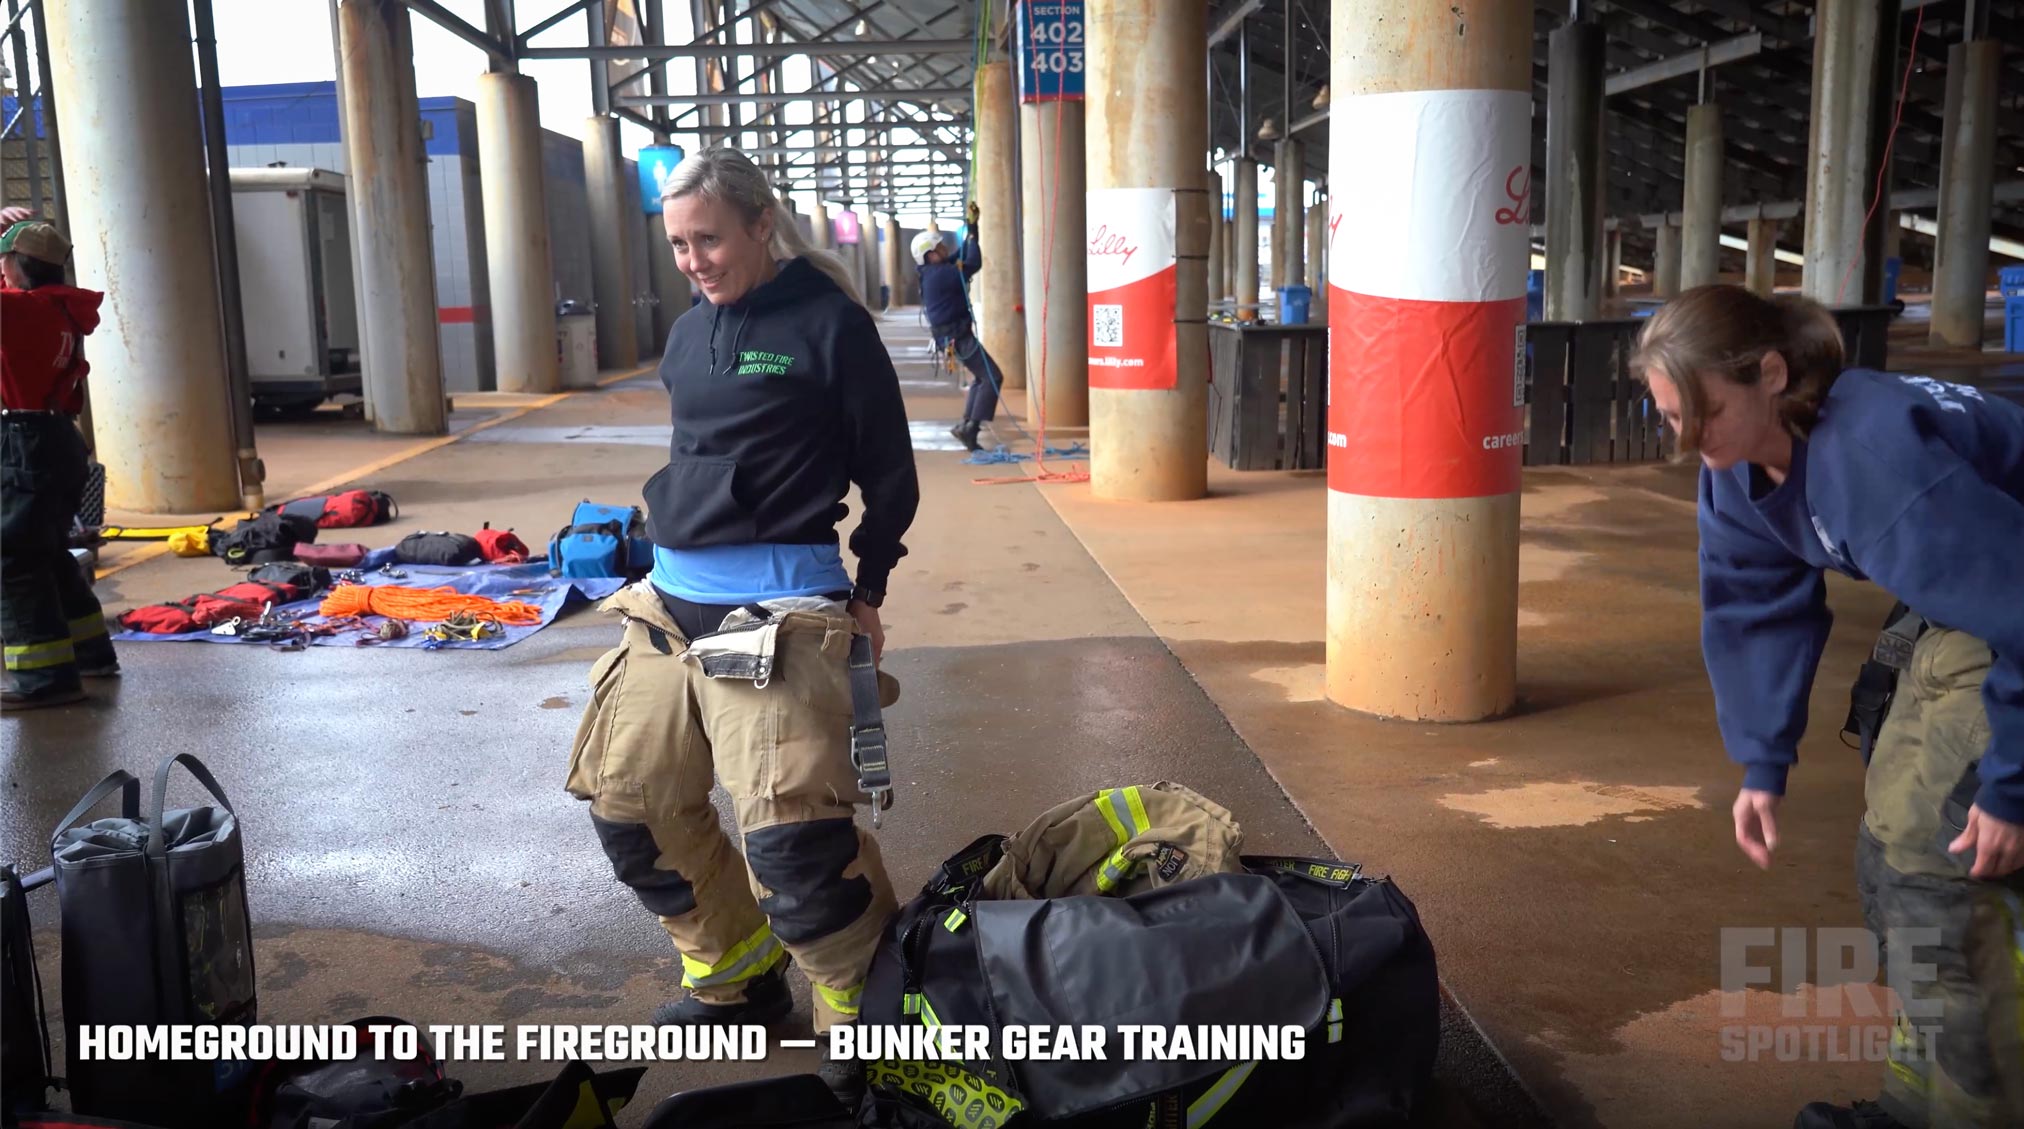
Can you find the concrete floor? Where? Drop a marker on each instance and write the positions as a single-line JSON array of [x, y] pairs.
[[412, 851]]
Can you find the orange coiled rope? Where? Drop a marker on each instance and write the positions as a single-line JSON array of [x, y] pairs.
[[425, 604]]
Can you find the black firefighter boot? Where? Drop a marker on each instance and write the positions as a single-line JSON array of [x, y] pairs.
[[1862, 1115], [966, 434], [845, 1079], [767, 1001]]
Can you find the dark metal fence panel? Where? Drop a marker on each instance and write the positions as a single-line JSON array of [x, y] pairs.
[[1268, 395], [1269, 386]]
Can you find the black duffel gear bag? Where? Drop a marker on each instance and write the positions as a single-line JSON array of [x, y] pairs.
[[308, 581], [1309, 944], [438, 549], [795, 1101], [263, 539], [155, 932], [26, 1072]]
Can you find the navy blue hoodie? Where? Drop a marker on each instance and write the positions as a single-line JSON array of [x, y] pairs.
[[1907, 481], [781, 401], [944, 301]]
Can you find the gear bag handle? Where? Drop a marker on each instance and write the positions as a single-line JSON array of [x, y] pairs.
[[130, 800], [157, 840]]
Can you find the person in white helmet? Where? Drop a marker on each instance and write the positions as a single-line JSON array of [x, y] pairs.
[[945, 302]]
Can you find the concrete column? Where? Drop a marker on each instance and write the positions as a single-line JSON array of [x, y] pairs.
[[671, 286], [1219, 272], [389, 187], [1148, 246], [1575, 187], [1612, 271], [1244, 231], [892, 255], [1666, 261], [1701, 218], [1967, 183], [1000, 315], [1317, 251], [1855, 78], [161, 405], [1289, 235], [1423, 423], [820, 233], [1761, 267], [1230, 261], [611, 244], [1052, 183], [520, 266]]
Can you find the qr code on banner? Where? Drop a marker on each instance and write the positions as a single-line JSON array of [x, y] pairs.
[[1108, 330]]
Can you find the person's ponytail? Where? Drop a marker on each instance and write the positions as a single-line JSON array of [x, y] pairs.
[[787, 243]]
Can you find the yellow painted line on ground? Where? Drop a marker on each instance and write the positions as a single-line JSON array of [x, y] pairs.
[[150, 552]]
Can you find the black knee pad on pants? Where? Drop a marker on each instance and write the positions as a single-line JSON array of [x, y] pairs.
[[801, 866], [632, 851]]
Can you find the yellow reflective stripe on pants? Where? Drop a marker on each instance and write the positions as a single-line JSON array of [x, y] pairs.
[[1335, 1021], [1135, 810], [845, 1001], [39, 656], [86, 628], [1140, 824], [1106, 804], [750, 957], [1115, 870], [1215, 1097]]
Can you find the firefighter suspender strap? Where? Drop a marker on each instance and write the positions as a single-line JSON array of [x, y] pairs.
[[867, 728], [1869, 701]]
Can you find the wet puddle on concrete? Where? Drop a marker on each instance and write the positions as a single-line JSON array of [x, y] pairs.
[[1569, 803]]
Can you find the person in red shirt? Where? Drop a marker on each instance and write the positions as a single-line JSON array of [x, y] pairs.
[[51, 625]]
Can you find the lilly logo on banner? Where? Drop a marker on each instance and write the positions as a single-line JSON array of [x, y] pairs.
[[1129, 251], [657, 165]]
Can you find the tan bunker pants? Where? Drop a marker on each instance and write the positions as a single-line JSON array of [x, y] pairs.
[[656, 730]]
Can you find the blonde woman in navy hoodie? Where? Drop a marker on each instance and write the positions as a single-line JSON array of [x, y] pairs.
[[1918, 486], [783, 397]]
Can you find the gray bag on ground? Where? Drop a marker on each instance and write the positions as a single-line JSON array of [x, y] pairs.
[[155, 931]]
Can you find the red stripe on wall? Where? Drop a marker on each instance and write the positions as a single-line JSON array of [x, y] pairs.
[[457, 315], [1424, 397]]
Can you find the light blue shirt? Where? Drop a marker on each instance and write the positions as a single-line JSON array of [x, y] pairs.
[[746, 574]]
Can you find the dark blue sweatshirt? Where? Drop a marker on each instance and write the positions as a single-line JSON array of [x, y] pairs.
[[1912, 483], [943, 300]]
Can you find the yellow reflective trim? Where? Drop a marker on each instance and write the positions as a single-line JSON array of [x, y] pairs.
[[955, 920], [1140, 824], [748, 958], [1115, 869], [87, 627], [1335, 1010], [1106, 803], [1217, 1096], [960, 1097], [39, 656], [844, 1001], [1335, 1032], [928, 1016]]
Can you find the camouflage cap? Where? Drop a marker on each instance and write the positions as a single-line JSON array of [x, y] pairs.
[[37, 240]]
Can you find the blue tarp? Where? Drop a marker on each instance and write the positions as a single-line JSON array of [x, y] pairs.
[[528, 583]]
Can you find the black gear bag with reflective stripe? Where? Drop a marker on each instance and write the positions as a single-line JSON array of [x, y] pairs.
[[1306, 944]]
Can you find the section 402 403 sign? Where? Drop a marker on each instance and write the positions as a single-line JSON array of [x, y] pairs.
[[1050, 50]]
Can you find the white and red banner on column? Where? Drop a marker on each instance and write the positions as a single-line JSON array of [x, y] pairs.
[[1429, 246], [1132, 288]]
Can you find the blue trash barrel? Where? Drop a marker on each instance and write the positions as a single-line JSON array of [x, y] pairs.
[[2011, 281], [1535, 295], [1293, 302], [1891, 268]]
